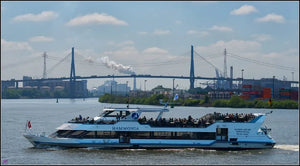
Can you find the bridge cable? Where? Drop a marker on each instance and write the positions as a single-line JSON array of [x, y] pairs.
[[261, 63], [54, 66], [207, 61]]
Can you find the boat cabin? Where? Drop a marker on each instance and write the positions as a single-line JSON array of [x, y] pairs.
[[112, 115]]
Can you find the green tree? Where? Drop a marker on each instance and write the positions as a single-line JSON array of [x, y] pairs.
[[206, 99], [13, 94]]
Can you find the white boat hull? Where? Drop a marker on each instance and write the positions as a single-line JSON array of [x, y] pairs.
[[44, 142]]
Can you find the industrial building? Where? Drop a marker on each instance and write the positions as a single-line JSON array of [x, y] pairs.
[[266, 88], [112, 87], [47, 85]]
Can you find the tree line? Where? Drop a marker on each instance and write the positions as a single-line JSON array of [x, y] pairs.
[[234, 102]]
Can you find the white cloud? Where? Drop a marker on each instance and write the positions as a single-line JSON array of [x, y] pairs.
[[95, 18], [125, 43], [121, 44], [44, 16], [221, 28], [155, 50], [272, 18], [178, 22], [245, 9], [156, 32], [123, 53], [41, 39], [14, 46], [200, 33], [261, 37], [142, 33], [161, 32], [286, 53], [234, 46]]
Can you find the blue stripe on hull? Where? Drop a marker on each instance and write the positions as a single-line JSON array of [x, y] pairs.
[[148, 146]]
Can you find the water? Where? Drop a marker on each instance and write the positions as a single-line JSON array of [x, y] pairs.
[[46, 115]]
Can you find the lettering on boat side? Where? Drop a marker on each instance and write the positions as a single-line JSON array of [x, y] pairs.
[[125, 128], [242, 131]]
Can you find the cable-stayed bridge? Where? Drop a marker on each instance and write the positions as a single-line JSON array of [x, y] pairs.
[[131, 74]]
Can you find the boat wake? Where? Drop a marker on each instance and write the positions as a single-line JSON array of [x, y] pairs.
[[288, 147]]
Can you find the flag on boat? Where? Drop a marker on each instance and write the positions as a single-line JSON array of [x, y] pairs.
[[29, 124], [175, 97]]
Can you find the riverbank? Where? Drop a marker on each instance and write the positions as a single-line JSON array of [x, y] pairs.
[[233, 102]]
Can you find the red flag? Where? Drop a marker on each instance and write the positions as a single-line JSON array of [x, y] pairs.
[[29, 124]]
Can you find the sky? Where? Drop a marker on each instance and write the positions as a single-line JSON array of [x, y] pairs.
[[121, 38]]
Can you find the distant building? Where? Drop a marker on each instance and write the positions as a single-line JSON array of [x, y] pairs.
[[48, 85], [8, 84], [214, 95], [112, 87], [161, 90]]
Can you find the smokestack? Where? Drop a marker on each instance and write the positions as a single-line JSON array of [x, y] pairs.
[[134, 83]]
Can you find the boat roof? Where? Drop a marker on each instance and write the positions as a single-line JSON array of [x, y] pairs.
[[137, 109]]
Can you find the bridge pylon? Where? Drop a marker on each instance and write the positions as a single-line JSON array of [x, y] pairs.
[[72, 76], [192, 75]]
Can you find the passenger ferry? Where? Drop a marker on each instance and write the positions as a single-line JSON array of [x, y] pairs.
[[128, 128]]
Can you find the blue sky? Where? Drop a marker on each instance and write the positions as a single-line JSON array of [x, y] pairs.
[[150, 38]]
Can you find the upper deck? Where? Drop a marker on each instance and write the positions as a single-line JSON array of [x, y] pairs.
[[114, 115], [201, 122]]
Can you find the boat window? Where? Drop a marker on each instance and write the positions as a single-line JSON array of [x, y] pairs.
[[222, 134], [233, 139], [90, 134], [77, 133], [110, 114], [161, 134], [64, 133], [106, 134], [206, 135], [184, 134], [140, 134], [145, 135], [127, 113]]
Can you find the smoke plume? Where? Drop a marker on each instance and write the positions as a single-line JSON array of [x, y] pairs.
[[118, 67]]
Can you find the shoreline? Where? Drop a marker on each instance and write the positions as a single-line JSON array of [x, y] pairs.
[[233, 102]]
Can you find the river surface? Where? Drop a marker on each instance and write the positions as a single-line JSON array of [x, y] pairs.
[[45, 115]]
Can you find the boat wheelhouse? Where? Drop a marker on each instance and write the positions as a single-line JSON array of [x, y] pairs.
[[128, 128]]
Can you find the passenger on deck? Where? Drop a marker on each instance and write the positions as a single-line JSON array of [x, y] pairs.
[[92, 121], [118, 117]]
